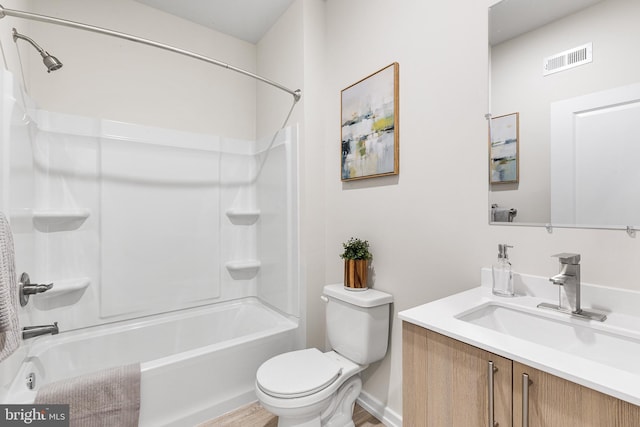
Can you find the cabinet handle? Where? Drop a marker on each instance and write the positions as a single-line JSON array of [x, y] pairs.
[[491, 370], [525, 400]]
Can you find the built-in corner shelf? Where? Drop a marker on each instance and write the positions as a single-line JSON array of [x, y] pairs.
[[59, 218], [66, 286], [243, 269], [243, 216]]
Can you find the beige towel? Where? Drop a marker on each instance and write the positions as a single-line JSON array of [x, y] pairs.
[[106, 398], [9, 326]]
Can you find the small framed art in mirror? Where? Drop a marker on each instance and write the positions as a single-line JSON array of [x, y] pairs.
[[503, 149]]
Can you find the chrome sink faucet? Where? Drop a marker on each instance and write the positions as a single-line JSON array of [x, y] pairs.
[[569, 279]]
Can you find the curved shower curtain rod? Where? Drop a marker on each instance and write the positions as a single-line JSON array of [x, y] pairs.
[[297, 94]]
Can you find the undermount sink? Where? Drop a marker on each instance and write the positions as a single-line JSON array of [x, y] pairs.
[[576, 337], [602, 356]]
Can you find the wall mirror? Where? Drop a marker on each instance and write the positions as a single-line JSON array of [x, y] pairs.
[[571, 70]]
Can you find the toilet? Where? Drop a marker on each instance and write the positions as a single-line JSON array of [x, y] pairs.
[[309, 388]]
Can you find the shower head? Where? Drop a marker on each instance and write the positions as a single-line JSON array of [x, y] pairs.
[[51, 62]]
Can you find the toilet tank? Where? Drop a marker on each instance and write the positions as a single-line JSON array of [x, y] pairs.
[[358, 322]]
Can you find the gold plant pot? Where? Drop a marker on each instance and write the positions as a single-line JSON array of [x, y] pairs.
[[355, 274]]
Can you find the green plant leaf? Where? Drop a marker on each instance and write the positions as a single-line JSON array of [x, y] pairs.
[[356, 248]]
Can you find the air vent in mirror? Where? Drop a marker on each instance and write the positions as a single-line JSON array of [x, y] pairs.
[[568, 59]]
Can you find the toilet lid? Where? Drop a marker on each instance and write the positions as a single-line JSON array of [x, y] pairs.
[[297, 373]]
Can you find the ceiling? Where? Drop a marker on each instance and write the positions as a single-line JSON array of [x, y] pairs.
[[510, 18], [247, 20]]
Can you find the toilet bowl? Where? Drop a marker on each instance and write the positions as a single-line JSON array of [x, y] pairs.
[[301, 387], [309, 388]]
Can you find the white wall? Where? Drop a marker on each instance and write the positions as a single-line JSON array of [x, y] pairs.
[[426, 226], [115, 79], [293, 52], [8, 56], [6, 38]]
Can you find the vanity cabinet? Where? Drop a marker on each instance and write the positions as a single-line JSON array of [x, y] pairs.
[[447, 383], [553, 401]]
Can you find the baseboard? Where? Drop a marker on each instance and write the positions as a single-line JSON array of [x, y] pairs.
[[379, 410]]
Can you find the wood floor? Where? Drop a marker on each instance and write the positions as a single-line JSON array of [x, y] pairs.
[[254, 415]]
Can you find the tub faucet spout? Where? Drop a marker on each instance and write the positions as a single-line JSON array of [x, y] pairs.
[[35, 331]]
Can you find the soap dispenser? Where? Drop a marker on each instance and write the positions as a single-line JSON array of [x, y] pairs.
[[501, 271]]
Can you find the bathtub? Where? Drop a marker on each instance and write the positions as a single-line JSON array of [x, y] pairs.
[[196, 364]]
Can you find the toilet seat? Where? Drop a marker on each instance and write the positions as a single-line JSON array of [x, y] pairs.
[[297, 374]]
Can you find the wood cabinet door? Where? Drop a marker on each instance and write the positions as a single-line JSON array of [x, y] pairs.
[[414, 375], [446, 382], [553, 401]]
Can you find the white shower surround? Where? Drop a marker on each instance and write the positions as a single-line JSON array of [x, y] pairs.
[[132, 221]]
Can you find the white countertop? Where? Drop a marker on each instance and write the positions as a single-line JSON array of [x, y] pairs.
[[622, 308]]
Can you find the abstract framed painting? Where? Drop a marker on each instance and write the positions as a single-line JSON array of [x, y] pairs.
[[504, 149], [369, 126]]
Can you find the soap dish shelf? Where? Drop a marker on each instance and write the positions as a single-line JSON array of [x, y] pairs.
[[243, 217], [49, 217], [243, 269], [66, 286]]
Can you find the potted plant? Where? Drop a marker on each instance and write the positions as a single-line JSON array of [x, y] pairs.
[[356, 257]]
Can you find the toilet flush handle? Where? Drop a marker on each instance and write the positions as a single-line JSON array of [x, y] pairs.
[[324, 298]]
